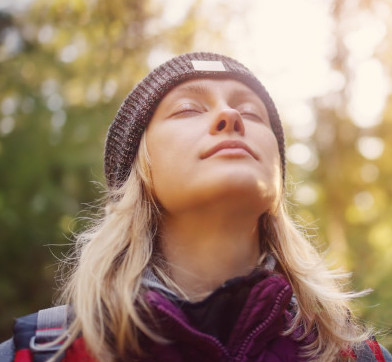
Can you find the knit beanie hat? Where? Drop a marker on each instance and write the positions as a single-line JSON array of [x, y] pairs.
[[136, 111]]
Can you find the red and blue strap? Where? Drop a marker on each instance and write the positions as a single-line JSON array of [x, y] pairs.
[[360, 354], [376, 349], [33, 334]]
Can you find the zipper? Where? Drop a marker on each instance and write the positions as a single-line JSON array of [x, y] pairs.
[[210, 340], [262, 326]]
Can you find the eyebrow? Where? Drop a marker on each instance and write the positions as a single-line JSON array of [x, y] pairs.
[[245, 93], [201, 89]]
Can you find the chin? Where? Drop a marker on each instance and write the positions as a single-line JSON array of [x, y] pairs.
[[242, 188], [246, 180]]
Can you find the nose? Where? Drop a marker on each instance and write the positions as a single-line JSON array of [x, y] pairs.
[[228, 120]]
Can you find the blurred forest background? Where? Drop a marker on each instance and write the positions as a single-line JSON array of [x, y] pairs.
[[66, 66]]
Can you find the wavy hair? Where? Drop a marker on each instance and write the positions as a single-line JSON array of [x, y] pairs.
[[104, 285]]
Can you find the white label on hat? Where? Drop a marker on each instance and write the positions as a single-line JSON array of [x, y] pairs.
[[208, 65]]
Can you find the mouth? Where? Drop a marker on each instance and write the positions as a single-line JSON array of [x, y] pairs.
[[229, 145]]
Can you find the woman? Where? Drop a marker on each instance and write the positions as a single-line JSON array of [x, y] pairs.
[[195, 258]]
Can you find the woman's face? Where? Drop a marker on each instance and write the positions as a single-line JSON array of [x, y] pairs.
[[211, 141]]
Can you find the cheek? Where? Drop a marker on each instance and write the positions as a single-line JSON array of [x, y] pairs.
[[168, 161], [273, 160], [276, 176], [271, 165], [269, 150]]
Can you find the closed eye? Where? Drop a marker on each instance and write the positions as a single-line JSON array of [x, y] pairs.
[[251, 111], [186, 110], [252, 116]]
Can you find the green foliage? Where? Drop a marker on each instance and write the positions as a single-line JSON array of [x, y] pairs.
[[65, 68], [352, 183]]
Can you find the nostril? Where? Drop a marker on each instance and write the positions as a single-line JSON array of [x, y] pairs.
[[236, 126], [221, 125]]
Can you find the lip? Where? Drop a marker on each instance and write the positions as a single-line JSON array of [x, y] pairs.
[[228, 144]]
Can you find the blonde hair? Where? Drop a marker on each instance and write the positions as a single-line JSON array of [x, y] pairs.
[[104, 286]]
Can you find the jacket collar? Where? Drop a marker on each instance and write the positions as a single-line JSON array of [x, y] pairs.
[[151, 281]]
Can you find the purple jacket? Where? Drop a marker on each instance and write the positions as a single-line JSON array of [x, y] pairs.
[[243, 320], [255, 333]]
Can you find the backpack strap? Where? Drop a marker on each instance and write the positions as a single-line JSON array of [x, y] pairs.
[[24, 330], [34, 334], [376, 349], [51, 324], [371, 350], [7, 351]]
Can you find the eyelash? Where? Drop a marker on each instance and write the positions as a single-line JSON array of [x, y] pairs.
[[252, 115], [189, 109], [186, 109]]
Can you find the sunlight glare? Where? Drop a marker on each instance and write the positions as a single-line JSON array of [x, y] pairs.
[[301, 154], [369, 91], [368, 32], [157, 56], [370, 147], [301, 120], [306, 194], [174, 11], [279, 43], [9, 105]]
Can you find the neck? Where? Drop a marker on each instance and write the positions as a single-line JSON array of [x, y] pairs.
[[205, 248]]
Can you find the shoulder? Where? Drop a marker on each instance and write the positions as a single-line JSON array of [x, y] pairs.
[[371, 350], [7, 351]]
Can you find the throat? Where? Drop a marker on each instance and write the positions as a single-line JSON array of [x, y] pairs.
[[201, 255]]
